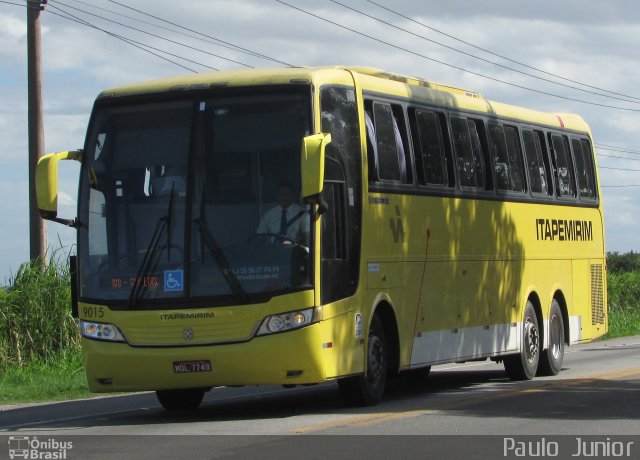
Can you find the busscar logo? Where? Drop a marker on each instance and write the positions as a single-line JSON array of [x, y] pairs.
[[34, 448]]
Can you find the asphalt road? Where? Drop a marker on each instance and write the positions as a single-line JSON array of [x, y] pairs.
[[596, 394]]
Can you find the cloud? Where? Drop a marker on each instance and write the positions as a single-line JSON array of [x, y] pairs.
[[13, 32]]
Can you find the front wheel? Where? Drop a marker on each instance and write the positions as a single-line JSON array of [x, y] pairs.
[[367, 390], [552, 357], [524, 365], [180, 400]]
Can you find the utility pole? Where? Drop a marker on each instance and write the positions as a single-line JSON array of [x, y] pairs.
[[37, 229]]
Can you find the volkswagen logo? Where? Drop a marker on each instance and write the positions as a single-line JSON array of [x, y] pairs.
[[187, 333]]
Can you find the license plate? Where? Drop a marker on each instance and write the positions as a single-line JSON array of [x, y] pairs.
[[184, 367]]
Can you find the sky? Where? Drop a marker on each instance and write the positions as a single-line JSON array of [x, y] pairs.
[[585, 42]]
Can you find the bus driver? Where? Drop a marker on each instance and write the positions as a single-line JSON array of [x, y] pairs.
[[287, 218]]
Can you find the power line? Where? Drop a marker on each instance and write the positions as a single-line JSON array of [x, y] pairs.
[[145, 48], [617, 157], [620, 169], [155, 35], [12, 3], [213, 40], [72, 18], [451, 65], [264, 56], [478, 57], [613, 148], [496, 54]]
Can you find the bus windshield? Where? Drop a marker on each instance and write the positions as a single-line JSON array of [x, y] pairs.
[[195, 199]]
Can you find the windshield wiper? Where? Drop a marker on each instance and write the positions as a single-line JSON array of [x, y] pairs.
[[148, 264], [214, 248]]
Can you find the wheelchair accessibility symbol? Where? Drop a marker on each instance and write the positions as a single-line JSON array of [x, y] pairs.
[[173, 280]]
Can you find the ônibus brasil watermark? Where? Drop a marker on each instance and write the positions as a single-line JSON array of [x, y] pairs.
[[30, 447]]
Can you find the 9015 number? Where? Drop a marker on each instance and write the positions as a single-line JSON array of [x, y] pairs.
[[93, 312]]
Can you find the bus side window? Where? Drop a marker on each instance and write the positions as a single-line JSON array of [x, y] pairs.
[[566, 186], [584, 168], [507, 158], [386, 143], [514, 150], [536, 166], [431, 158], [500, 159], [334, 223], [468, 152]]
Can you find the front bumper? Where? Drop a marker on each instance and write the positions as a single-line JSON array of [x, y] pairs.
[[294, 357]]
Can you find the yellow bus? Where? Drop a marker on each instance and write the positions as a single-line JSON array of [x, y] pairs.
[[300, 225]]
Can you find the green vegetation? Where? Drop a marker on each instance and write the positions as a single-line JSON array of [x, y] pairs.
[[44, 380], [624, 296], [35, 315], [623, 263], [40, 358]]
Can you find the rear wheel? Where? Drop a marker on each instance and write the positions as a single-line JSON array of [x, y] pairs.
[[367, 390], [552, 357], [524, 365], [180, 400]]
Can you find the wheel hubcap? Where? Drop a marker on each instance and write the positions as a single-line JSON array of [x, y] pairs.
[[531, 338]]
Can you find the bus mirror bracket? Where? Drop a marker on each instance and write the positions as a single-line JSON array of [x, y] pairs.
[[47, 185], [312, 162]]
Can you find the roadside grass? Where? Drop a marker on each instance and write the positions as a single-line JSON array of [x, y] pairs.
[[624, 304], [35, 315], [40, 358], [55, 379], [623, 323]]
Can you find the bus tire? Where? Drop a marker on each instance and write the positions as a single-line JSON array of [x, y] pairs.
[[367, 390], [180, 400], [552, 357], [524, 365]]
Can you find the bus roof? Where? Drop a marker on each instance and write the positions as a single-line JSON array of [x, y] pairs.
[[372, 80]]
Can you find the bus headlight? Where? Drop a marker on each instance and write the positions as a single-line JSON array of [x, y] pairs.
[[100, 331], [289, 321]]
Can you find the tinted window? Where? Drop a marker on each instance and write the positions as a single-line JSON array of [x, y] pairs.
[[341, 228], [564, 166], [584, 168], [535, 162], [386, 140], [334, 222], [430, 153], [507, 158], [514, 152], [500, 157], [468, 153]]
